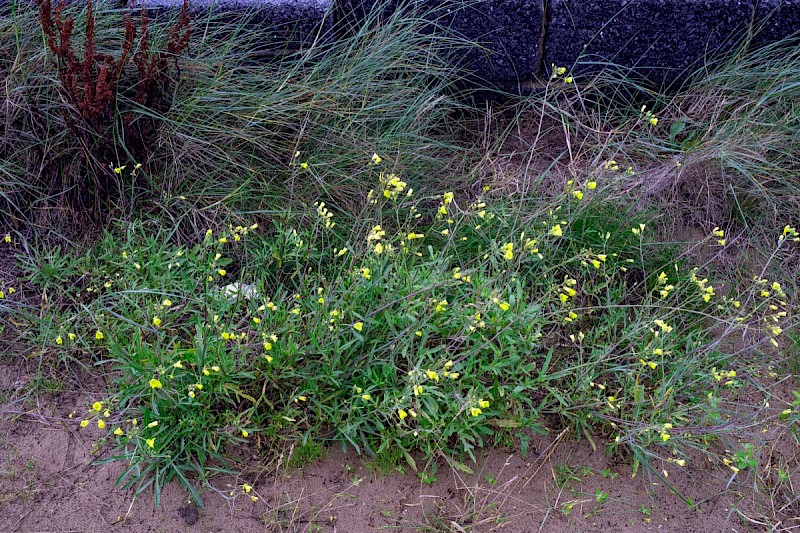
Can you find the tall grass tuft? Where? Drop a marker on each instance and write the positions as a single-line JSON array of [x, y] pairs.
[[257, 134], [236, 119]]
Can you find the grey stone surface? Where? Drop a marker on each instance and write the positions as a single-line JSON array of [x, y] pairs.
[[509, 31], [659, 38], [776, 20], [286, 24]]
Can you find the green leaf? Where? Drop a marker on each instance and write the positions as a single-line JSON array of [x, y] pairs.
[[461, 466], [410, 460], [504, 423]]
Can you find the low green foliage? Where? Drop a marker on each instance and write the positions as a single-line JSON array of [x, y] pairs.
[[426, 325], [292, 293]]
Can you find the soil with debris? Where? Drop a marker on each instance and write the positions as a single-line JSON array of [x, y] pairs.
[[48, 483]]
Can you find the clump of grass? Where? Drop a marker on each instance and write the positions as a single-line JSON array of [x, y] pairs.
[[721, 147], [259, 134], [426, 325], [235, 120]]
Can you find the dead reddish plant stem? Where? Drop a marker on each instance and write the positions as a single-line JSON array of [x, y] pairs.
[[92, 82]]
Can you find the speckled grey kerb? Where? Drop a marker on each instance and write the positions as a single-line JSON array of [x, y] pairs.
[[508, 31], [660, 38]]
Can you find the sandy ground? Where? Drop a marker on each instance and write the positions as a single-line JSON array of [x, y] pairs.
[[48, 483]]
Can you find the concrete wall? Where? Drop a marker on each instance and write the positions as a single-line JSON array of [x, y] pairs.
[[520, 39]]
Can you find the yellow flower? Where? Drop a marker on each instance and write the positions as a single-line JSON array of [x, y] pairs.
[[72, 336], [97, 406], [59, 340], [556, 231], [106, 413], [505, 306], [568, 79], [654, 121], [665, 436], [245, 433], [483, 403], [118, 432], [7, 238], [402, 414], [508, 251], [578, 195], [663, 325], [253, 498], [418, 390], [592, 185], [474, 411], [151, 442], [155, 384], [101, 423], [366, 397], [432, 375], [222, 271], [246, 488], [166, 303], [376, 159], [358, 326], [304, 165], [153, 424], [156, 321], [98, 335], [84, 423]]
